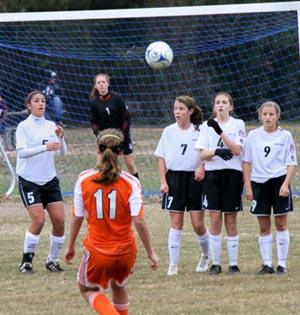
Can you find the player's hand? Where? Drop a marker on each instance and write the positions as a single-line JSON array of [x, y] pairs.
[[53, 146], [248, 193], [69, 255], [164, 188], [199, 173], [214, 124], [284, 190], [154, 261], [225, 154], [59, 131]]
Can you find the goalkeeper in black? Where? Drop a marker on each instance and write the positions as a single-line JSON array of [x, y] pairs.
[[108, 110], [221, 142]]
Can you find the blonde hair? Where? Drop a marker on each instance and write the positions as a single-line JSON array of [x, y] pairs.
[[110, 146], [94, 93], [269, 104]]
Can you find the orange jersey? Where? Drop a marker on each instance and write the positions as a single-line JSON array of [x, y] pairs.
[[108, 210]]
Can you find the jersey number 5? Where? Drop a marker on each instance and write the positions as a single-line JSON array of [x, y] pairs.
[[112, 197]]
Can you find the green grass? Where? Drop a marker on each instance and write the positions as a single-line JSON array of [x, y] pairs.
[[151, 292]]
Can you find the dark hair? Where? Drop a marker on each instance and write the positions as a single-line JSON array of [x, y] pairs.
[[110, 145], [229, 98], [94, 93], [30, 96], [190, 103]]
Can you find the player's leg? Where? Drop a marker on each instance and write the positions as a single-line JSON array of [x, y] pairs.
[[98, 301], [194, 206], [129, 160], [31, 198], [174, 241], [53, 199], [57, 237], [119, 298], [230, 220], [265, 242], [282, 242]]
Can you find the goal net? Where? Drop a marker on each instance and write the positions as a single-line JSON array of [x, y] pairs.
[[250, 51]]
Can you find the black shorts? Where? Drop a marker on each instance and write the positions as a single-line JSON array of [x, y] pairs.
[[266, 196], [127, 146], [184, 192], [32, 193], [222, 190]]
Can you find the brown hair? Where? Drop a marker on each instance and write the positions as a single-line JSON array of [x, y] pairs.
[[190, 103], [29, 97], [110, 145], [224, 94], [94, 93]]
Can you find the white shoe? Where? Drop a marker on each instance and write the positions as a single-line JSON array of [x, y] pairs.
[[173, 270], [203, 264]]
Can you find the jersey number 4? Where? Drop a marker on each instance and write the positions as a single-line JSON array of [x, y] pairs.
[[112, 197]]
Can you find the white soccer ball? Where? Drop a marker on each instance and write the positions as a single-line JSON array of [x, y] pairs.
[[159, 55]]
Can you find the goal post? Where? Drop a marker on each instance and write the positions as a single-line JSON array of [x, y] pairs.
[[248, 50]]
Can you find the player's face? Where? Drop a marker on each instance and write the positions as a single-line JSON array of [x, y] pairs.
[[37, 105], [182, 114], [222, 106], [269, 118], [101, 85]]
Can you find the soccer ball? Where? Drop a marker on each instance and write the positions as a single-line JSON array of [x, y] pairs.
[[159, 55]]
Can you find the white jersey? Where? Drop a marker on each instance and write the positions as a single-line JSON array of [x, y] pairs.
[[176, 147], [269, 153], [210, 140], [32, 135]]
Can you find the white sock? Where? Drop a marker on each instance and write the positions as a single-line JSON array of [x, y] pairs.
[[174, 245], [203, 241], [56, 244], [233, 249], [282, 243], [215, 243], [265, 247], [31, 242]]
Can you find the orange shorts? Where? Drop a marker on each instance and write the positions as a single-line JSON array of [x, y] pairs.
[[96, 270]]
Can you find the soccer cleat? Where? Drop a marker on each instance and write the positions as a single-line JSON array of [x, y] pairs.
[[266, 270], [203, 264], [26, 267], [54, 266], [215, 270], [173, 270], [233, 269], [280, 270]]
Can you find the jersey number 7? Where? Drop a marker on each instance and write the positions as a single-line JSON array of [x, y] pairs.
[[112, 197]]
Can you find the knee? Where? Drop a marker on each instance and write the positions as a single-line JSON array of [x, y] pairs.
[[37, 225], [59, 226]]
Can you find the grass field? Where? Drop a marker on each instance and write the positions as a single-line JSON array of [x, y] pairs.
[[151, 292]]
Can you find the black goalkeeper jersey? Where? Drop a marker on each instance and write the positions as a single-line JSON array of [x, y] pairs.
[[109, 111]]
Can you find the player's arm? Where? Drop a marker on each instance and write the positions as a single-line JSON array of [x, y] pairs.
[[76, 223], [284, 189], [143, 232], [161, 164], [247, 181], [200, 172], [125, 119], [94, 120]]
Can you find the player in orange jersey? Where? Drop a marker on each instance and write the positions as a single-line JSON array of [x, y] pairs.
[[110, 199]]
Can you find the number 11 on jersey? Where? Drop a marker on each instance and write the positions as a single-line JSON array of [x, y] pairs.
[[112, 197]]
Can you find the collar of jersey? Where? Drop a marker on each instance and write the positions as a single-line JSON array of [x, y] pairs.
[[38, 120]]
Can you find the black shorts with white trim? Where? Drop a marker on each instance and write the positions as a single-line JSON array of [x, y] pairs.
[[222, 190], [266, 197], [32, 193], [184, 192]]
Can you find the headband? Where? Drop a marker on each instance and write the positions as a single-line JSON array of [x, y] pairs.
[[110, 136]]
